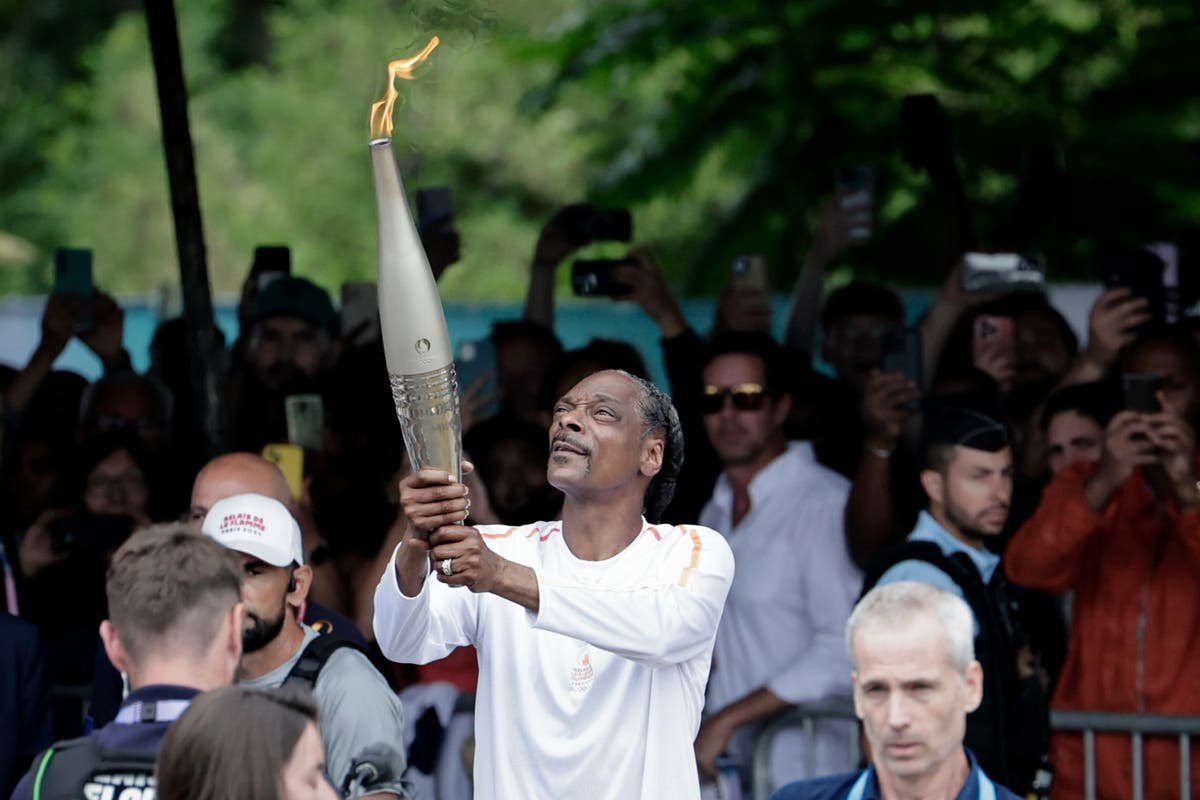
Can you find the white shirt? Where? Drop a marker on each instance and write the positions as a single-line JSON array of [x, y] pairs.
[[599, 693], [784, 623]]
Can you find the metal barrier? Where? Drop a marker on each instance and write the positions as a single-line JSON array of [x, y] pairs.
[[1089, 723], [1137, 726], [803, 716]]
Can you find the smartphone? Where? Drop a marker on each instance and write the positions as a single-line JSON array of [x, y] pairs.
[[749, 272], [290, 460], [305, 420], [596, 277], [855, 187], [475, 364], [1002, 272], [993, 334], [1141, 391], [93, 534], [435, 209], [271, 262], [1142, 272], [1168, 254], [73, 275], [902, 353], [584, 223], [360, 314]]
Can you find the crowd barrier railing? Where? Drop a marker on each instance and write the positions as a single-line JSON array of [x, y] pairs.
[[1088, 723], [1137, 727], [802, 716]]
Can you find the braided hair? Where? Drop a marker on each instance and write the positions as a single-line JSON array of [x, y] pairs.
[[658, 415]]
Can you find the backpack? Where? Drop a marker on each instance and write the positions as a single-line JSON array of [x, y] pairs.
[[84, 769], [312, 660], [1010, 731]]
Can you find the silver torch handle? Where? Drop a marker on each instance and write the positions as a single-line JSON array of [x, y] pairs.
[[416, 341]]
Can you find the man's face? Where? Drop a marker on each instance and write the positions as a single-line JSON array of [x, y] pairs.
[[597, 441], [285, 349], [117, 486], [1042, 355], [977, 491], [264, 591], [1072, 438], [912, 702], [1179, 390], [853, 346], [742, 436]]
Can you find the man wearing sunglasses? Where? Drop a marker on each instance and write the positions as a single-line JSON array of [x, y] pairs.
[[780, 639]]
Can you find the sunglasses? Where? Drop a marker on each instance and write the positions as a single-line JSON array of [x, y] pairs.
[[745, 397]]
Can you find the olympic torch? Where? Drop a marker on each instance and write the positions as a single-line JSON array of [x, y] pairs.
[[416, 341]]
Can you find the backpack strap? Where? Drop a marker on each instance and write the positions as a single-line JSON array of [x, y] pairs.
[[312, 660]]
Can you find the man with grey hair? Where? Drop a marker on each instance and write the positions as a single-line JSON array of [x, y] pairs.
[[915, 680], [595, 633]]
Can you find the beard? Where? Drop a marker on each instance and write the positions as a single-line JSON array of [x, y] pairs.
[[967, 526], [261, 632]]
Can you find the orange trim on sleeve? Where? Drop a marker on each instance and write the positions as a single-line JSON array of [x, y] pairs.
[[504, 535], [687, 571]]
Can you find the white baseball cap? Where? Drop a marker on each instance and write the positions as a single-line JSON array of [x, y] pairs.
[[258, 526]]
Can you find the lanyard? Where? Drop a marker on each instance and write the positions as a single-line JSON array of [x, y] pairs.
[[161, 711], [987, 790]]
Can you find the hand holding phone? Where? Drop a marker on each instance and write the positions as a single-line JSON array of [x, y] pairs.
[[73, 280], [305, 421], [360, 313], [290, 460], [478, 380], [271, 262], [1001, 272], [749, 272], [597, 277], [854, 191], [1141, 392]]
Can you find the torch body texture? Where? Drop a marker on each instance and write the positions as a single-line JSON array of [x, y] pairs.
[[416, 341]]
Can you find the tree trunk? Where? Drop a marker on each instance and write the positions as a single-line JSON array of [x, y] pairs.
[[185, 208]]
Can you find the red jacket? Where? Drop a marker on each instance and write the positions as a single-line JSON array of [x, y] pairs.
[[1135, 635]]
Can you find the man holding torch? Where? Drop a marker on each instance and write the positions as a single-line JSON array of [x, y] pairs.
[[594, 633]]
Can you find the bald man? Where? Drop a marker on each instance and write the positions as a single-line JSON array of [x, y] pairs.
[[237, 473], [224, 476]]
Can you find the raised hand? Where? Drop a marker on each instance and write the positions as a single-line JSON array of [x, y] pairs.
[[1112, 323]]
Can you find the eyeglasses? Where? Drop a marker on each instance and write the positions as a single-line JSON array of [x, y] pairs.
[[745, 397]]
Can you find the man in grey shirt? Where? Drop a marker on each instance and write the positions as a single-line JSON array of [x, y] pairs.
[[356, 709]]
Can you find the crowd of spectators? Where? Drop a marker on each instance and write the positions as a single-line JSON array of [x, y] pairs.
[[1049, 482]]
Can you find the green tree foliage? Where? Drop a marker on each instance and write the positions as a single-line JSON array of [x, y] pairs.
[[780, 92], [719, 123]]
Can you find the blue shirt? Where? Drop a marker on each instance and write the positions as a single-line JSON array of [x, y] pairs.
[[145, 736], [928, 530], [836, 787]]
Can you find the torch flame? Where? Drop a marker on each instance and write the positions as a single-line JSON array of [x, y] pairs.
[[381, 112]]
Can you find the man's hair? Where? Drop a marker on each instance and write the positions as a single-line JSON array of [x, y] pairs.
[[658, 415], [1177, 337], [159, 395], [860, 297], [233, 742], [753, 343], [168, 589], [895, 605], [1098, 401]]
